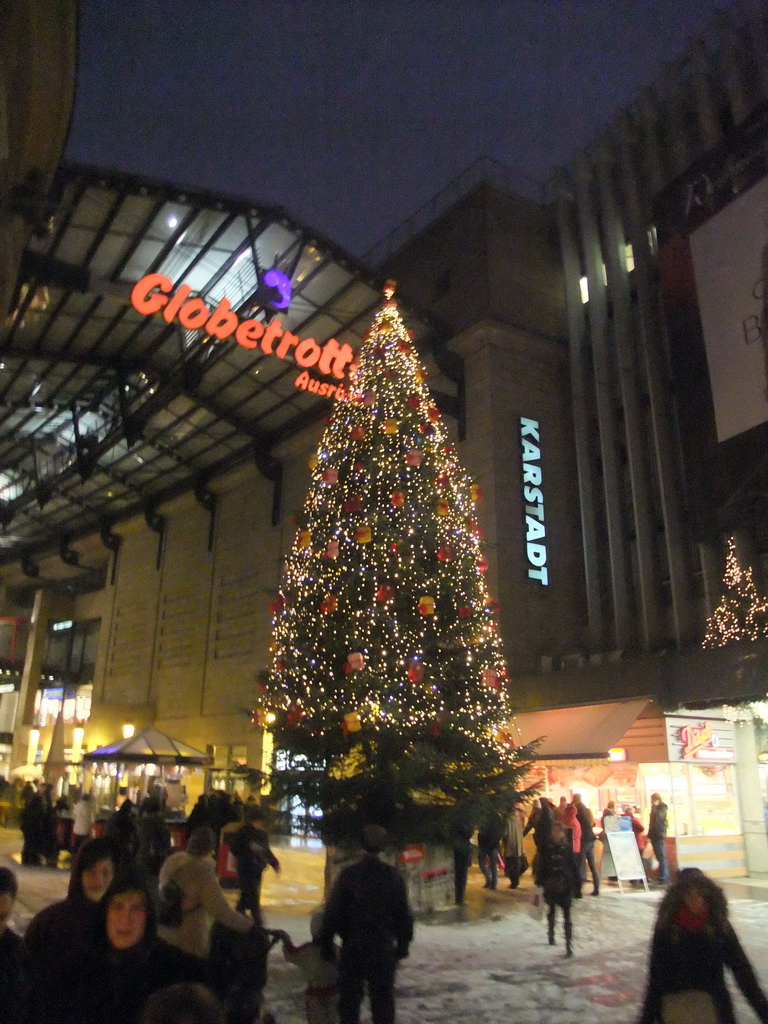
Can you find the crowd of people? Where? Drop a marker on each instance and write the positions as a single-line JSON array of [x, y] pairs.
[[565, 838], [145, 931], [146, 935]]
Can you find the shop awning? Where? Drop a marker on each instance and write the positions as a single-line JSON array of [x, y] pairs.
[[149, 747], [577, 732]]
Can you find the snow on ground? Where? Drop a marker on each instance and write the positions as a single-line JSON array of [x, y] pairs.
[[484, 963]]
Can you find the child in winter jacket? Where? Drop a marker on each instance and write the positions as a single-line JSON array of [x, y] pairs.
[[320, 975]]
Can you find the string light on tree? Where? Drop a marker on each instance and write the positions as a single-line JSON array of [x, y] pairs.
[[384, 633], [742, 614]]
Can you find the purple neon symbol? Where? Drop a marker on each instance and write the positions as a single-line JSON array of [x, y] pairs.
[[277, 279]]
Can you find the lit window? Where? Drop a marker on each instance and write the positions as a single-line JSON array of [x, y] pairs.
[[629, 256], [584, 288]]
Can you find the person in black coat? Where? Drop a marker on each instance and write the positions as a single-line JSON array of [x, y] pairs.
[[131, 962], [542, 833], [461, 841], [32, 822], [249, 846], [368, 907], [153, 837], [14, 975], [64, 935], [693, 942], [121, 832], [556, 872], [198, 816]]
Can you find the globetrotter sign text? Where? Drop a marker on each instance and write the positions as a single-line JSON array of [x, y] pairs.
[[535, 530], [154, 293]]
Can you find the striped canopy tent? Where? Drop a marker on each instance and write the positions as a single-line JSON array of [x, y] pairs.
[[149, 747]]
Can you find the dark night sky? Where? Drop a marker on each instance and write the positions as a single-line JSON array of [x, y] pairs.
[[352, 113]]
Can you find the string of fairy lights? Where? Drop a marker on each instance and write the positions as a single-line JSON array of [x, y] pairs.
[[742, 614], [383, 619]]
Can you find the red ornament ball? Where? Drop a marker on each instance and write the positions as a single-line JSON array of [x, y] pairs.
[[415, 671]]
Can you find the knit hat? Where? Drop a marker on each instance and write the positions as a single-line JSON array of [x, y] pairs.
[[374, 838]]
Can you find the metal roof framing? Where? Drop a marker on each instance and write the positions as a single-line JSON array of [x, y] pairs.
[[105, 413]]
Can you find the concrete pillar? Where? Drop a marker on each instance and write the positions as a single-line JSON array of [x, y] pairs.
[[655, 170], [582, 402], [635, 429], [711, 562], [732, 69], [30, 677], [677, 124], [756, 40], [751, 800], [601, 343], [706, 104], [653, 360]]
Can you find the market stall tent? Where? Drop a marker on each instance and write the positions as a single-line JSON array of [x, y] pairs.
[[149, 747], [146, 748]]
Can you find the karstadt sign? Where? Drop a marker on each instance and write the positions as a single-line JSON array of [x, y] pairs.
[[533, 495]]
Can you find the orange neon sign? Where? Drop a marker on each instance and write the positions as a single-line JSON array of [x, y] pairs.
[[154, 294]]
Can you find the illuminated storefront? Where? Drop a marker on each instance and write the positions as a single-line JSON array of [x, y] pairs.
[[689, 758]]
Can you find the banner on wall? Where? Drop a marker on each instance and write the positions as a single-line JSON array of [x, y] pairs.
[[712, 229]]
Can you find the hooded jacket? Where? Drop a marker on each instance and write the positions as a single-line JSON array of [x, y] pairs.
[[113, 986], [61, 938]]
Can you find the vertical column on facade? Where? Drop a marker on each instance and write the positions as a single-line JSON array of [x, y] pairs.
[[750, 799], [704, 96], [677, 132], [30, 676], [756, 45], [652, 150], [604, 398], [635, 435], [748, 554], [732, 70], [711, 562], [654, 367], [579, 393]]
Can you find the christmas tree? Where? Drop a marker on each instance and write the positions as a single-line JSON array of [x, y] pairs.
[[742, 614], [387, 680]]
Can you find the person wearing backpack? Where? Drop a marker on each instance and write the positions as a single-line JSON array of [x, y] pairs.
[[190, 898]]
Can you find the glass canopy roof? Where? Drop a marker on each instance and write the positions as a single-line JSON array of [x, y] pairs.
[[105, 412]]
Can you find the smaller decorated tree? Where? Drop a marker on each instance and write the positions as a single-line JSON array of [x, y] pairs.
[[742, 613]]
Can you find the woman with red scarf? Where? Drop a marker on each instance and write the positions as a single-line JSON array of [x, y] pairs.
[[693, 943]]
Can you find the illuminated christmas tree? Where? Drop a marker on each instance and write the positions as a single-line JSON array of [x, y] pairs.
[[387, 679], [742, 614]]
